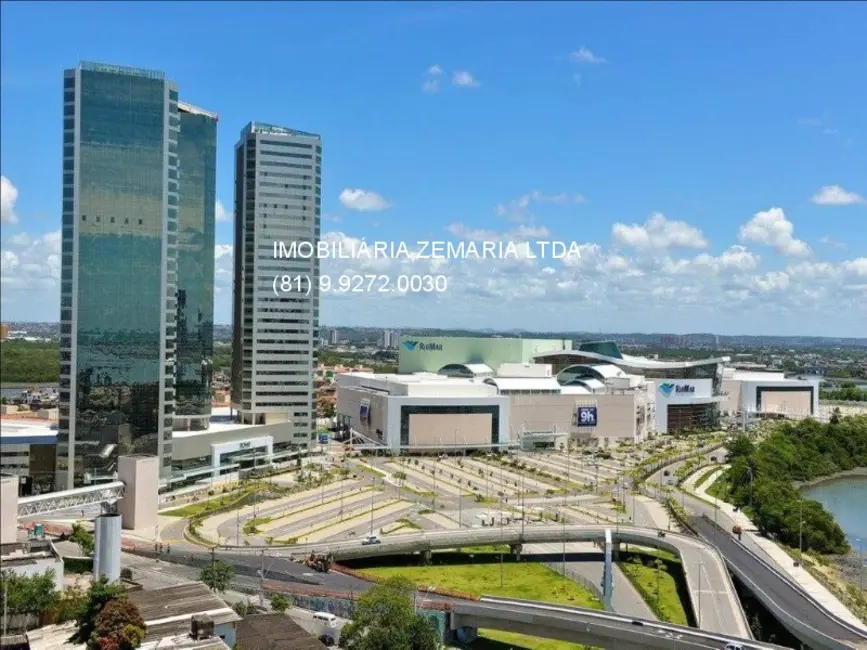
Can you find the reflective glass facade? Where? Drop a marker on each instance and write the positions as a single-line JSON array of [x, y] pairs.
[[197, 146], [119, 269]]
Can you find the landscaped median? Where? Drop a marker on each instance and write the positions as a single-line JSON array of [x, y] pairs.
[[659, 580], [452, 576], [334, 525], [262, 525]]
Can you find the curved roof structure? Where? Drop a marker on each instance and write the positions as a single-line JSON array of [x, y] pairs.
[[466, 370], [642, 363], [574, 389], [592, 385], [543, 384]]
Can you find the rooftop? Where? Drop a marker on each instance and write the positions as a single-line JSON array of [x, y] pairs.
[[110, 68], [274, 632], [167, 612], [195, 110], [13, 430], [273, 129], [548, 384], [221, 421]]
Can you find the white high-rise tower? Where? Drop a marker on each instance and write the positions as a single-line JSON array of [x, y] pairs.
[[278, 174]]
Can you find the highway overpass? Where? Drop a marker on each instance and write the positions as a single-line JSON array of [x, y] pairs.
[[799, 613], [714, 600], [587, 626]]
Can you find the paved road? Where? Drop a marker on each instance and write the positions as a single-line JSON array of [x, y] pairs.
[[708, 580], [792, 599], [604, 630]]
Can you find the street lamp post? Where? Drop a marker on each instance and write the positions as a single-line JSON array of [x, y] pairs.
[[860, 544], [700, 567], [372, 494], [800, 529]]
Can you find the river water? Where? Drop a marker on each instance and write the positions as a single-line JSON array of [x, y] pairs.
[[846, 499]]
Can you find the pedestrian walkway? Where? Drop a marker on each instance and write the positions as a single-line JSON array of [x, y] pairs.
[[772, 550]]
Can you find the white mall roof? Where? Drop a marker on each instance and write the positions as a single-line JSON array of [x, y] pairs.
[[525, 383]]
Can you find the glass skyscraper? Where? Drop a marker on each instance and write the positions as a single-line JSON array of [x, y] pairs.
[[195, 283], [120, 274]]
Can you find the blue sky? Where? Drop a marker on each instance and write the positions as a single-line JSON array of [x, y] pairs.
[[509, 122]]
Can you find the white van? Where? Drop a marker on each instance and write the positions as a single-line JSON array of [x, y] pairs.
[[325, 617]]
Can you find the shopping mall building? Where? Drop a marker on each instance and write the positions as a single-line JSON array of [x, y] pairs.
[[485, 393]]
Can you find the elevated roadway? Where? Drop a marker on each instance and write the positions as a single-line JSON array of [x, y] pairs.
[[802, 615], [579, 625], [712, 593], [587, 626]]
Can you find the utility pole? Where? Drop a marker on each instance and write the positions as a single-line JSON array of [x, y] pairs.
[[213, 569], [5, 606], [565, 502], [238, 527], [372, 494], [262, 581], [800, 529]]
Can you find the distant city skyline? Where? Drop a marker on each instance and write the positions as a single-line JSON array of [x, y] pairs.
[[700, 196]]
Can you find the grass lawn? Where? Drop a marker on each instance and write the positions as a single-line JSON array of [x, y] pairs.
[[704, 477], [719, 488], [497, 640], [193, 509], [525, 580], [667, 607]]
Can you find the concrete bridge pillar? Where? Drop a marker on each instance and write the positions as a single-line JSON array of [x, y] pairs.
[[516, 550], [466, 635], [607, 578], [424, 557]]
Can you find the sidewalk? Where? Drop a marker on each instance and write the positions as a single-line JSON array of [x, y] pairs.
[[779, 557]]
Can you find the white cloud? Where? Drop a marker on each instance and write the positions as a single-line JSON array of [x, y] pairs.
[[577, 78], [771, 228], [517, 209], [8, 199], [30, 276], [729, 291], [431, 83], [658, 233], [833, 243], [464, 79], [836, 195], [220, 212], [584, 55], [363, 200]]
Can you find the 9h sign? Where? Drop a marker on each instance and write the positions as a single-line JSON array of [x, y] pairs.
[[585, 416]]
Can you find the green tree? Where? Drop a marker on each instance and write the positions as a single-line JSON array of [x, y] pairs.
[[98, 596], [279, 602], [84, 538], [385, 619], [740, 447], [28, 596], [217, 575], [119, 626]]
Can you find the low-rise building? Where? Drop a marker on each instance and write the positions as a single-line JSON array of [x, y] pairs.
[[169, 612]]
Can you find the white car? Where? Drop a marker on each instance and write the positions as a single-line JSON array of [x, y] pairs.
[[735, 646], [370, 539]]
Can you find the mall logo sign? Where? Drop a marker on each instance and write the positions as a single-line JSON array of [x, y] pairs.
[[668, 389], [412, 346]]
